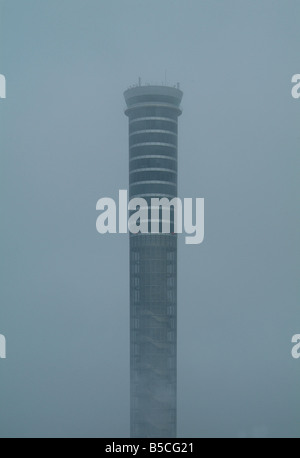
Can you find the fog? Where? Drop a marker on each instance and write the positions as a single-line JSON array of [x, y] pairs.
[[64, 145]]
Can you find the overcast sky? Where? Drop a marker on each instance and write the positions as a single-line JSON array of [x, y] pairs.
[[64, 297]]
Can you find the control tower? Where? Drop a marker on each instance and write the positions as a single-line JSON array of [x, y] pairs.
[[153, 128]]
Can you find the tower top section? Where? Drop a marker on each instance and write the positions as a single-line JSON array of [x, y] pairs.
[[153, 95]]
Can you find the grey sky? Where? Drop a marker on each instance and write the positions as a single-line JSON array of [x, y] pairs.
[[64, 288]]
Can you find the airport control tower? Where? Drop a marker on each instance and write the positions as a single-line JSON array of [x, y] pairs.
[[153, 127]]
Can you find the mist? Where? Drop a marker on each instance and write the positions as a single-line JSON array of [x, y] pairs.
[[64, 145]]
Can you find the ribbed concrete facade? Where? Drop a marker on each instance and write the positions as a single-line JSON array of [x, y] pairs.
[[153, 112]]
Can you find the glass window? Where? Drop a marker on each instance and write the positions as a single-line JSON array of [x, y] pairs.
[[170, 336], [170, 256], [153, 137], [170, 282], [170, 268], [153, 98], [147, 124], [170, 295], [149, 150], [159, 188], [170, 310], [144, 112], [155, 175], [155, 162]]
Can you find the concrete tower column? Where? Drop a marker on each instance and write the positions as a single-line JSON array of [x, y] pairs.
[[153, 127]]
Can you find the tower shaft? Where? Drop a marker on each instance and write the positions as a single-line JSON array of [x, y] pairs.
[[153, 125]]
